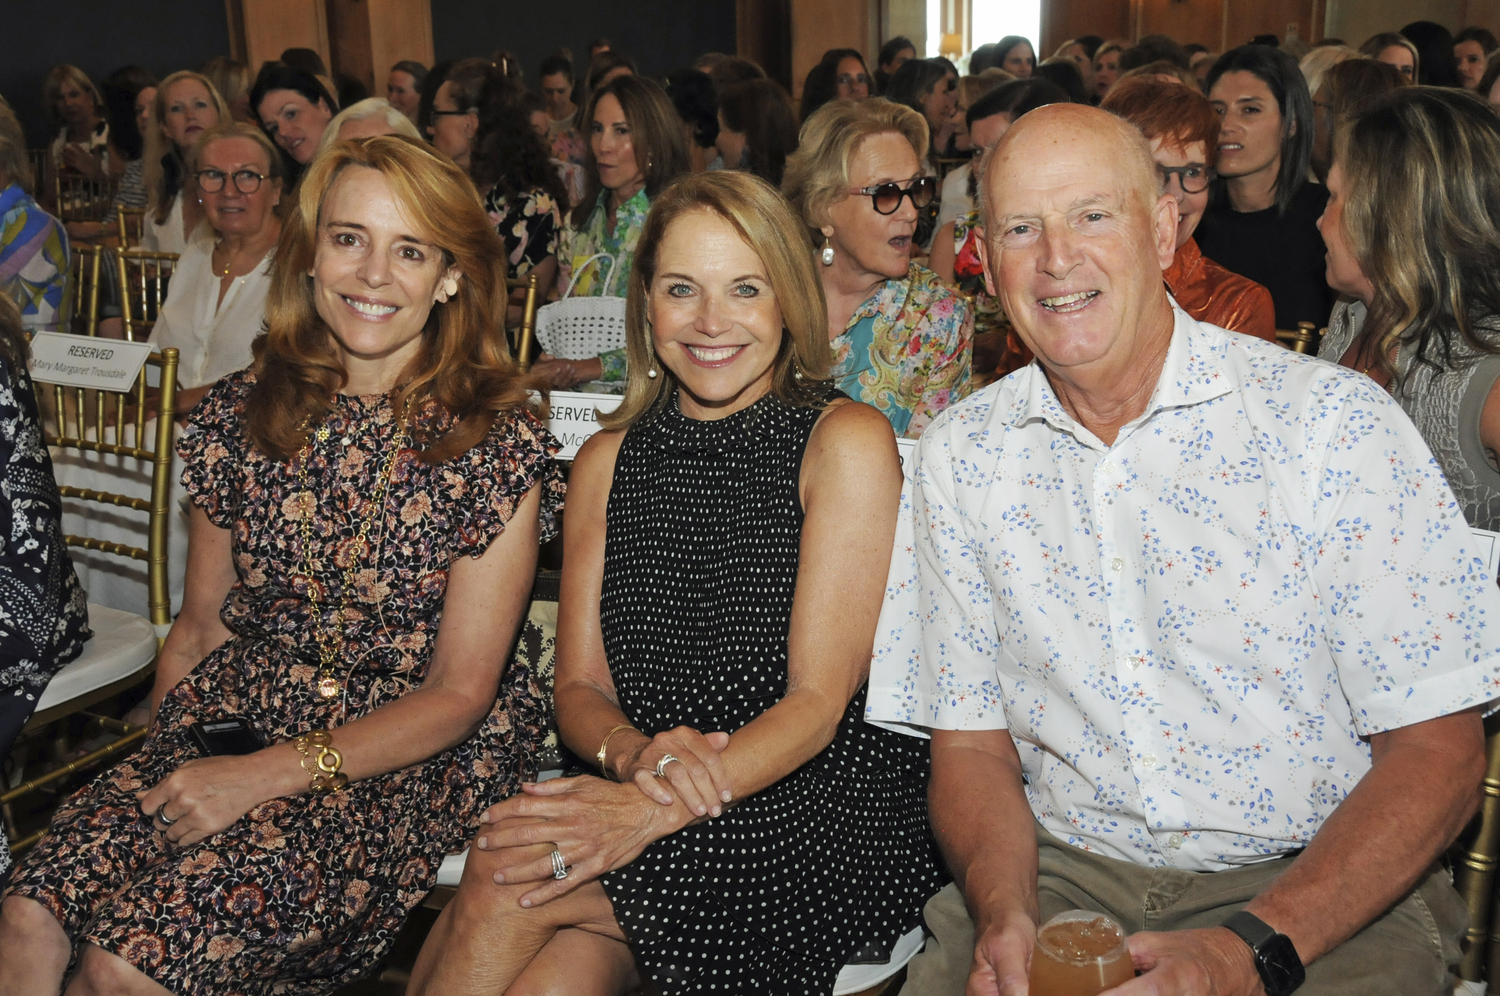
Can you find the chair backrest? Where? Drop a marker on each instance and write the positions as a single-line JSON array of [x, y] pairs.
[[144, 277], [116, 423], [38, 160], [527, 336], [83, 198], [1300, 339], [83, 281], [132, 224]]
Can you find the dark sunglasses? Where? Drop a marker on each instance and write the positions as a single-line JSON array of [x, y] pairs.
[[887, 196]]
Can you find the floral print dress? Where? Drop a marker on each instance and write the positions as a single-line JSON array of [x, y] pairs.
[[907, 350], [528, 225], [305, 893]]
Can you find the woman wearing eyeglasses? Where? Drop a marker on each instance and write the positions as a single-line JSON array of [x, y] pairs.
[[1183, 130], [839, 75], [216, 304], [902, 340]]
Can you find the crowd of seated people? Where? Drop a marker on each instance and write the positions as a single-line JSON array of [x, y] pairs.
[[966, 544]]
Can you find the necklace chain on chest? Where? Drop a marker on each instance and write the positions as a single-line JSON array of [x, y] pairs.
[[330, 648]]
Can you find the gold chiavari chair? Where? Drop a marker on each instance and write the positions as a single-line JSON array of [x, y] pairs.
[[37, 158], [527, 336], [122, 653], [1474, 872], [132, 224], [83, 198], [84, 289], [1301, 339], [144, 277]]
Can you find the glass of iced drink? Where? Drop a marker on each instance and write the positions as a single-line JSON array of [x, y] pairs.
[[1079, 953]]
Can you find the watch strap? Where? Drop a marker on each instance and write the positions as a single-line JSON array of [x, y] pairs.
[[1276, 960], [1251, 929]]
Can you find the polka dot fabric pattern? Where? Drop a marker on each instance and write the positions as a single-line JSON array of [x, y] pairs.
[[832, 863], [305, 893]]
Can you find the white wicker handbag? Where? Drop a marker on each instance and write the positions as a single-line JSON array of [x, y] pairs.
[[580, 328]]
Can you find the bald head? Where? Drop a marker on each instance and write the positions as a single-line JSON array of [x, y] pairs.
[[1071, 133]]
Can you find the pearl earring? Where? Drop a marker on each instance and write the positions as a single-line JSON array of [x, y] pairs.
[[651, 373], [448, 289], [827, 251]]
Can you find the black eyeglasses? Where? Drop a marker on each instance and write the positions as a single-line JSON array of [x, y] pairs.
[[845, 79], [1194, 179], [211, 181], [434, 114], [886, 197]]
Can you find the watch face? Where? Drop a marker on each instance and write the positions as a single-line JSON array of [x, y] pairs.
[[1281, 969]]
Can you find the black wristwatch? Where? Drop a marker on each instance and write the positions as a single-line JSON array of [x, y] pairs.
[[1276, 959]]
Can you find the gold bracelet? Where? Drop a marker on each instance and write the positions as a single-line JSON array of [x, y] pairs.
[[321, 760], [605, 746]]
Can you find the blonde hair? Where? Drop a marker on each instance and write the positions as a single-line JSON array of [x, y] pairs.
[[771, 229], [464, 368], [53, 84], [817, 174], [1315, 64], [238, 129], [160, 189], [15, 167], [370, 107]]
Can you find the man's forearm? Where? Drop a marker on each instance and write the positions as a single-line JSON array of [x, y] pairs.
[[983, 822], [1380, 841]]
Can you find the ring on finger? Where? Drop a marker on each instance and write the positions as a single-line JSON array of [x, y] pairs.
[[559, 867], [161, 814], [661, 766]]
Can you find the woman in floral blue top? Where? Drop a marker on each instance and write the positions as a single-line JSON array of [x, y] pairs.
[[902, 339], [636, 147]]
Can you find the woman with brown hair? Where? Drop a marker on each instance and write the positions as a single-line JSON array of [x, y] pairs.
[[750, 832], [1414, 247], [636, 147], [368, 498], [82, 143]]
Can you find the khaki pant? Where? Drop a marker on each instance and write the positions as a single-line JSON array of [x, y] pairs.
[[1409, 951]]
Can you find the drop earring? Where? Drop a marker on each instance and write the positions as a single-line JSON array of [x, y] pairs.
[[827, 251], [651, 373]]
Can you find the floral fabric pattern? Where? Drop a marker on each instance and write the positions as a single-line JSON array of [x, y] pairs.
[[1188, 632], [528, 227], [579, 245], [907, 351], [33, 260], [1008, 350], [305, 893]]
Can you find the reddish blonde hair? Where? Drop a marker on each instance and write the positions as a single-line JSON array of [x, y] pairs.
[[1171, 111], [464, 368]]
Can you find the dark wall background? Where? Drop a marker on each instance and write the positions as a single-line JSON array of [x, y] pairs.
[[100, 36], [661, 35]]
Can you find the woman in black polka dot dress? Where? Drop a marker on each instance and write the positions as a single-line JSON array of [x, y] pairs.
[[726, 556]]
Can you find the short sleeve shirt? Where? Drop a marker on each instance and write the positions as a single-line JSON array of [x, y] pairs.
[[1188, 633]]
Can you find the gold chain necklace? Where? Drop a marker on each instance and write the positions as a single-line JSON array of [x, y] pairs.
[[329, 686]]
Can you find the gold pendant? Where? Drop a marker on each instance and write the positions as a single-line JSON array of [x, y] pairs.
[[329, 687]]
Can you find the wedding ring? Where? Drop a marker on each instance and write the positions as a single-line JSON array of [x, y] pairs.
[[559, 869], [162, 815], [661, 766]]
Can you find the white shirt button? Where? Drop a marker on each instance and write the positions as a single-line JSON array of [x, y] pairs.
[[1133, 662], [1175, 840], [1117, 564], [1149, 760]]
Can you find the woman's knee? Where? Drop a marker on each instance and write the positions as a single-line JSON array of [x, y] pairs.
[[26, 921], [100, 973]]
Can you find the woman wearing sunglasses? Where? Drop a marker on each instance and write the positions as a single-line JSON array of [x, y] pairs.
[[901, 339], [216, 304], [1183, 130]]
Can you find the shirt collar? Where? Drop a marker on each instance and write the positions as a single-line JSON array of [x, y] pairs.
[[1193, 372]]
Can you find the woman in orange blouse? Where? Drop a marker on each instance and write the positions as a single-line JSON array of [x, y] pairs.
[[1183, 130]]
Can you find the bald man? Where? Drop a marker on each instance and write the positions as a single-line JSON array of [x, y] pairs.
[[1194, 622]]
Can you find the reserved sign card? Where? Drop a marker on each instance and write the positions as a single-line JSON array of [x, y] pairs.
[[574, 418], [84, 361]]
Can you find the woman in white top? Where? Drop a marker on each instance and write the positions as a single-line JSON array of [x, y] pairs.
[[186, 106], [217, 301]]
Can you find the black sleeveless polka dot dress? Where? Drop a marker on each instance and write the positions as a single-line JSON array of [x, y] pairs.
[[833, 863]]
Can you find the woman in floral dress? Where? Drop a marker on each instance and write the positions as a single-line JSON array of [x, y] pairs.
[[369, 496], [902, 339]]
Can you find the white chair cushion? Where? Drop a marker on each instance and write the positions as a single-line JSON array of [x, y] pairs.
[[123, 644], [452, 868]]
